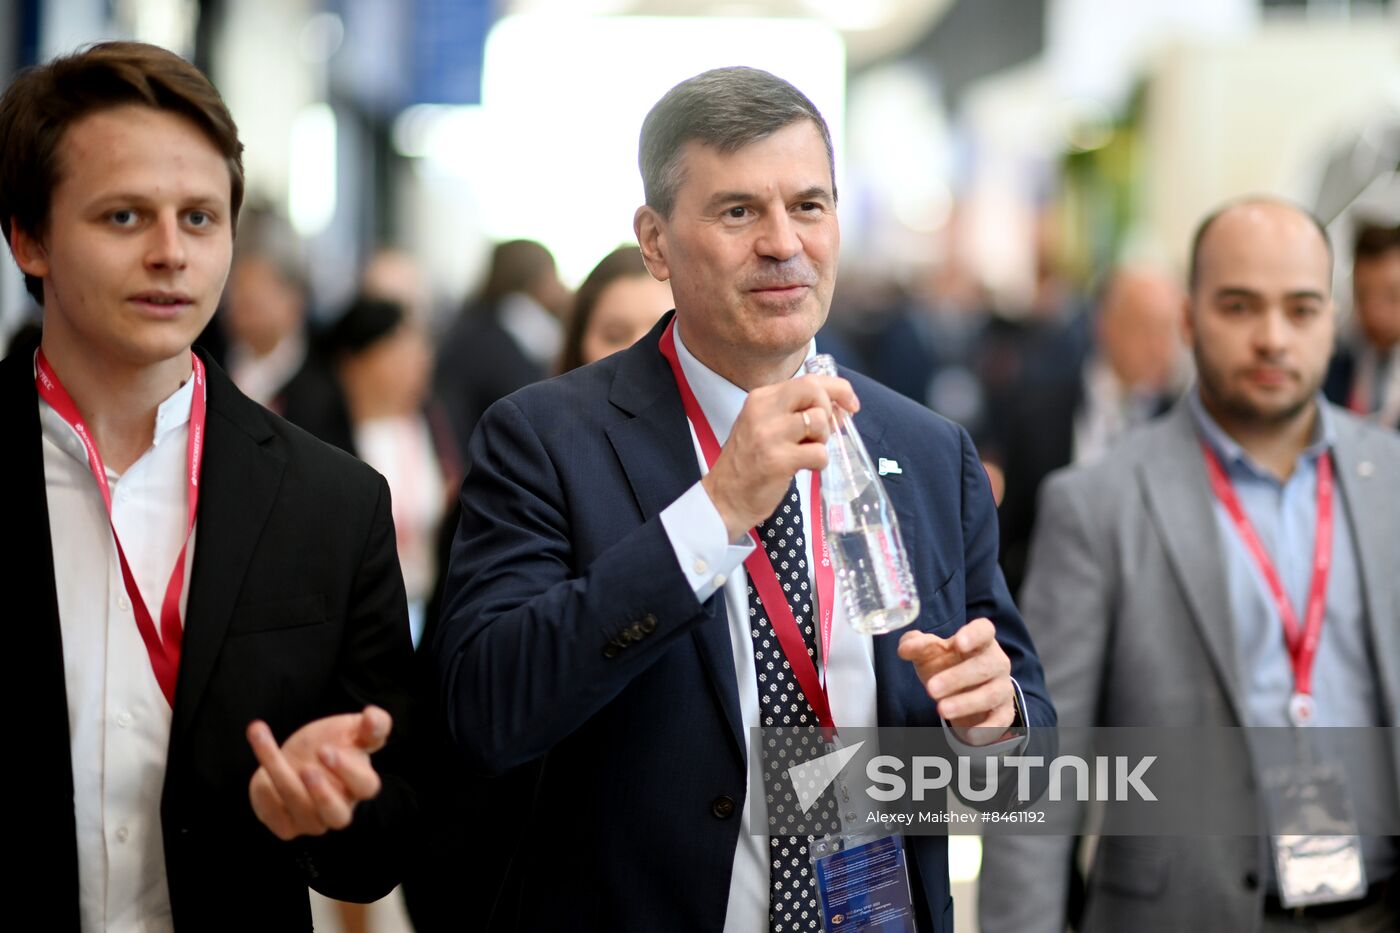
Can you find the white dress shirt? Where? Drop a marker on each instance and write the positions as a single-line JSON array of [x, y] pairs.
[[710, 563], [262, 377], [118, 719], [401, 447], [537, 333], [1109, 410]]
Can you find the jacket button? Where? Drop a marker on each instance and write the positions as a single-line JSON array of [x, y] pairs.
[[723, 807], [636, 632], [1251, 880], [610, 650], [648, 623]]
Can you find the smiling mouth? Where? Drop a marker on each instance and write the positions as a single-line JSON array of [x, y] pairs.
[[780, 289]]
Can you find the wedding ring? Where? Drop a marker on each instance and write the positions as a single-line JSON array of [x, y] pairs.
[[806, 424]]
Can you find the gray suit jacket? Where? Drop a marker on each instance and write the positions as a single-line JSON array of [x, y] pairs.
[[1128, 603]]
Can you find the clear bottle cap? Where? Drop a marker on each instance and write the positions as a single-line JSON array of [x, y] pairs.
[[823, 364]]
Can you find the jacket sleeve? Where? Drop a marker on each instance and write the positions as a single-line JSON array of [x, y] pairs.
[[531, 645], [987, 593], [1067, 599], [364, 861]]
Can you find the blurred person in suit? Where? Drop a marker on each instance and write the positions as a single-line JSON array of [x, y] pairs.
[[507, 338], [1365, 373], [263, 321], [214, 634], [396, 275], [1055, 418], [598, 628], [615, 306], [1150, 609]]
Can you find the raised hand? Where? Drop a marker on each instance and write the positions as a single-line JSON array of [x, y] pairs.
[[781, 429], [312, 783], [969, 676]]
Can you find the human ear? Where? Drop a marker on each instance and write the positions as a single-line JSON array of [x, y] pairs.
[[650, 228]]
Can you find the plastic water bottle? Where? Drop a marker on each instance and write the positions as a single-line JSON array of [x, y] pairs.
[[872, 567]]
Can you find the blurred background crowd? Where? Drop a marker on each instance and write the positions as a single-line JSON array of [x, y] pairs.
[[440, 194]]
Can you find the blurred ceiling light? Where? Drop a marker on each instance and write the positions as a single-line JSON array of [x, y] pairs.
[[311, 180], [926, 211], [575, 7], [1086, 124], [455, 140], [417, 130], [321, 37], [852, 14], [169, 24], [556, 161]]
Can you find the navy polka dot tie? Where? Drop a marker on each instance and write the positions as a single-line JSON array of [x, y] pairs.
[[781, 703]]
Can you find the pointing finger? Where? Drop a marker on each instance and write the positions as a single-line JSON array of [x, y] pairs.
[[373, 732]]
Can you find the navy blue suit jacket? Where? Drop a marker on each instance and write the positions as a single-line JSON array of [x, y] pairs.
[[636, 755]]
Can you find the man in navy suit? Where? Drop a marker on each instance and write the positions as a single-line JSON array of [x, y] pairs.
[[600, 637]]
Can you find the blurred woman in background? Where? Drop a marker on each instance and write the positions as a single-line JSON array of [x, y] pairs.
[[614, 307]]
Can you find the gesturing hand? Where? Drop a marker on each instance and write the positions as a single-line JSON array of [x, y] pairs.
[[968, 676], [312, 782], [781, 429]]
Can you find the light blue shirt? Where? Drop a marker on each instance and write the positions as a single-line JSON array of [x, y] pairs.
[[1345, 684]]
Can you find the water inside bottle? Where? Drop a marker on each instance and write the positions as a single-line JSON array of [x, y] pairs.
[[878, 594]]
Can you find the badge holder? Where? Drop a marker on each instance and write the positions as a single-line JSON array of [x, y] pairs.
[[1314, 837], [862, 877]]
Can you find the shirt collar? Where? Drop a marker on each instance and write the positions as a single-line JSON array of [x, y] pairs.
[[534, 329], [171, 414], [1234, 457], [175, 411], [719, 398]]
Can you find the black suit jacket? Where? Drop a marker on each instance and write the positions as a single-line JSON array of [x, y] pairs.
[[573, 648], [296, 610], [478, 363]]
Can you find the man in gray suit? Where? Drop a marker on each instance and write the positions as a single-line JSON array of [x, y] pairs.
[[1150, 608]]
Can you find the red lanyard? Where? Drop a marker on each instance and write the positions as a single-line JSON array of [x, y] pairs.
[[1302, 640], [163, 649], [760, 567]]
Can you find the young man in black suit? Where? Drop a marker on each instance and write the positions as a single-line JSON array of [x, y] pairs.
[[189, 732]]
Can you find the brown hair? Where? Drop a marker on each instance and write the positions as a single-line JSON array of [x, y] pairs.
[[516, 266], [622, 263], [43, 101], [1374, 240]]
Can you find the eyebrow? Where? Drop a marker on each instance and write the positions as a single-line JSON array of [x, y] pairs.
[[721, 198], [198, 199], [1235, 291]]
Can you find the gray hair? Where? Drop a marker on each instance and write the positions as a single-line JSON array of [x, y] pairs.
[[726, 108]]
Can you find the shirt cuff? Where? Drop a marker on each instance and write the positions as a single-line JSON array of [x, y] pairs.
[[979, 754], [699, 538]]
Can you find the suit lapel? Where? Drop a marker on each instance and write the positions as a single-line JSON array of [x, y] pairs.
[[1366, 477], [39, 638], [239, 480], [1178, 496], [659, 460], [36, 686]]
